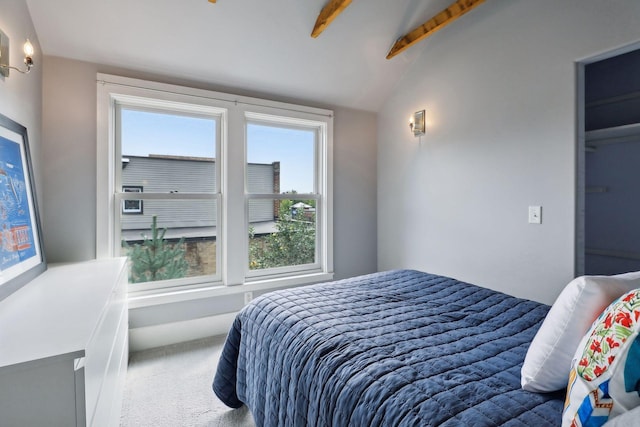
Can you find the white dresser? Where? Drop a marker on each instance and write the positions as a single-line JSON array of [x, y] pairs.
[[64, 347]]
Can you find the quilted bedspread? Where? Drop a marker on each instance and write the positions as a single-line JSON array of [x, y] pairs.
[[398, 348]]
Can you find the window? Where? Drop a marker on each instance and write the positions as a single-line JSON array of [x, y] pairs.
[[282, 194], [202, 189], [171, 151], [131, 206]]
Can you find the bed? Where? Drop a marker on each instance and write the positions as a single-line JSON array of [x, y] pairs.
[[397, 348]]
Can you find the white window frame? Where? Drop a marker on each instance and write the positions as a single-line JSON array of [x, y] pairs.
[[144, 100], [319, 191], [233, 113]]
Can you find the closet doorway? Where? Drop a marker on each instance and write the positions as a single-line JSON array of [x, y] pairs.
[[608, 214]]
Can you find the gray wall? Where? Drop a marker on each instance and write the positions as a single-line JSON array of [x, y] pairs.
[[499, 88], [69, 126], [21, 95]]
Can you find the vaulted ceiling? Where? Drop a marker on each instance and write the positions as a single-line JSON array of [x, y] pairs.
[[261, 46]]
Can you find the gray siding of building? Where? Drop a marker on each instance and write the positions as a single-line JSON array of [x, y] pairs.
[[260, 179], [185, 175]]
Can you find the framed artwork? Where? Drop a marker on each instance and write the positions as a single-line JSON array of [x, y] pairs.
[[21, 250]]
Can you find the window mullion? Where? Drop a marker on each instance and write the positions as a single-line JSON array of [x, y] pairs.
[[282, 196], [165, 196], [233, 184]]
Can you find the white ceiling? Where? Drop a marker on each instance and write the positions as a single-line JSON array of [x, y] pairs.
[[261, 46]]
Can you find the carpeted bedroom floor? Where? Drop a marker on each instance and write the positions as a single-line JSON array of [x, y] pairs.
[[171, 386]]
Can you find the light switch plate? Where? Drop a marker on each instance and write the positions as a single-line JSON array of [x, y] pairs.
[[535, 214]]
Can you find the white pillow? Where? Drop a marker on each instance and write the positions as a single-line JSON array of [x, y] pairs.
[[628, 419], [548, 361], [604, 380]]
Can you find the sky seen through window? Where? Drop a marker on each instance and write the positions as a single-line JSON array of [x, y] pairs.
[[145, 133]]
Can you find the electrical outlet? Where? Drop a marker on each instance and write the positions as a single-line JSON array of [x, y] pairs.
[[248, 296]]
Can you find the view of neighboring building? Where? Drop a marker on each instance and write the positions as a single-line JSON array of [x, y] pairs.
[[195, 221], [189, 219]]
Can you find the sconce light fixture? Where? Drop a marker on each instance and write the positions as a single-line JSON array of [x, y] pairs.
[[416, 123], [4, 56]]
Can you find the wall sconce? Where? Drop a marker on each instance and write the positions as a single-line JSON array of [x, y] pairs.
[[416, 123], [4, 56]]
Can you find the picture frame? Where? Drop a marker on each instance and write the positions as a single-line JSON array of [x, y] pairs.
[[21, 250]]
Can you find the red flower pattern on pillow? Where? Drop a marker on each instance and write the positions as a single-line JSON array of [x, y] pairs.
[[606, 339], [624, 319]]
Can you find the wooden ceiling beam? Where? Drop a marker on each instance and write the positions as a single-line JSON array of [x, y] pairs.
[[439, 21], [328, 14]]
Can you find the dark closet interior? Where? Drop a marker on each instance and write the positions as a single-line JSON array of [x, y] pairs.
[[612, 165]]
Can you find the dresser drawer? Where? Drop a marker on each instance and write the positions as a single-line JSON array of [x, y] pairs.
[[102, 345], [110, 397]]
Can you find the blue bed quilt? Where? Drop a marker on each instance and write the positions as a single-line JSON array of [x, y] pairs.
[[398, 348]]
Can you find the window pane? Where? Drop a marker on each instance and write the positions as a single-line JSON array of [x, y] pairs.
[[280, 159], [287, 239], [157, 145], [171, 239], [131, 206]]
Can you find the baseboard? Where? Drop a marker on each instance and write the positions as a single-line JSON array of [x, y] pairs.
[[173, 333]]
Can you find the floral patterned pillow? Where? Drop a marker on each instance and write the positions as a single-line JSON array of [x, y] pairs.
[[605, 372]]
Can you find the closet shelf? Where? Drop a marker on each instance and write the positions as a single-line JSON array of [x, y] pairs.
[[614, 99], [613, 254], [616, 134]]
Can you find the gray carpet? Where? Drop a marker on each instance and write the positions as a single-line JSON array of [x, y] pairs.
[[171, 386]]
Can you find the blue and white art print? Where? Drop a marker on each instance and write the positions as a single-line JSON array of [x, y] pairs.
[[21, 254], [16, 225]]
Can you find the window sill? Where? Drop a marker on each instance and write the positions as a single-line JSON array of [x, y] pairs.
[[139, 299]]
